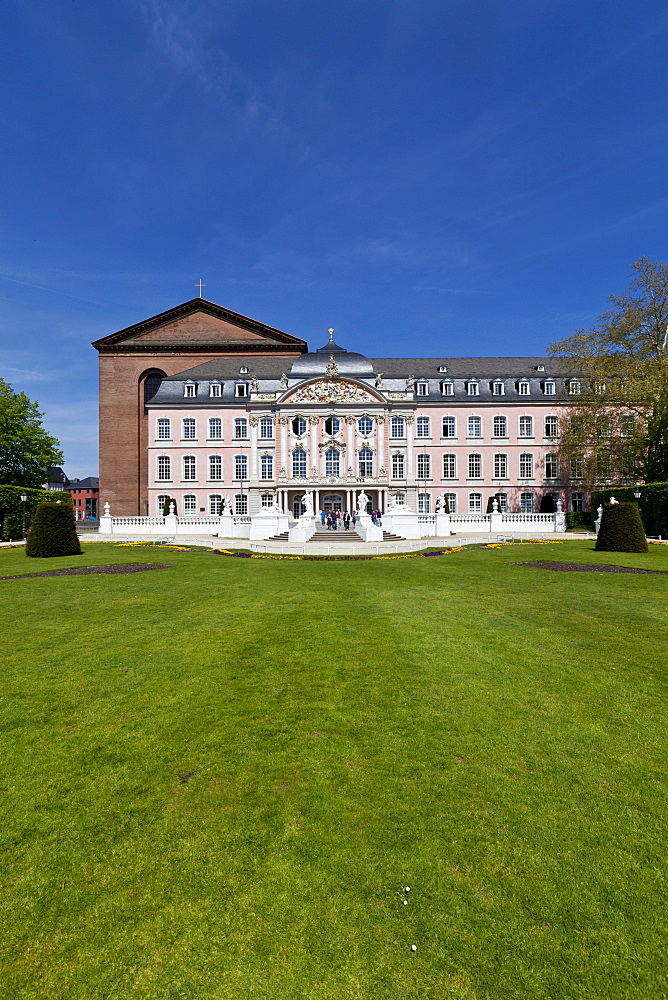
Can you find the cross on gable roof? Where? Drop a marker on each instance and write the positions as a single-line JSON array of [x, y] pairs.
[[199, 324]]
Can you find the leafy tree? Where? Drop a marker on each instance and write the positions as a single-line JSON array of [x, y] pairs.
[[26, 449], [616, 430]]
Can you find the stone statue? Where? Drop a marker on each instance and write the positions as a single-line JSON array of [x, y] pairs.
[[273, 509], [379, 381], [440, 504], [107, 509], [410, 383], [284, 381], [614, 500], [226, 509], [397, 502], [307, 501], [172, 508], [255, 385], [362, 502]]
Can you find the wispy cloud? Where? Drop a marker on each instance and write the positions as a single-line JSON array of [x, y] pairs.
[[26, 375]]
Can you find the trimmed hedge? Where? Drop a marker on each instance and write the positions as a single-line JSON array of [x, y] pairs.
[[621, 529], [11, 508], [653, 504], [53, 532], [580, 518]]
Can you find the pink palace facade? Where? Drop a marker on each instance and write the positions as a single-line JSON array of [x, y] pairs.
[[259, 430]]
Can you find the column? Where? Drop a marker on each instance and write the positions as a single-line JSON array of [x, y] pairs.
[[350, 450], [313, 435], [409, 447], [380, 444], [253, 447], [284, 458]]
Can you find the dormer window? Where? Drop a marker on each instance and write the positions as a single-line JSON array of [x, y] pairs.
[[472, 389], [190, 390], [422, 389], [215, 389], [549, 388], [524, 388], [447, 388], [574, 387], [243, 370], [442, 368], [498, 388], [540, 368], [241, 389]]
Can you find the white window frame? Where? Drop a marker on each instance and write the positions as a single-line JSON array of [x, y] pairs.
[[215, 465], [451, 423], [552, 465], [424, 503], [266, 423], [422, 388], [215, 504], [163, 424], [578, 501], [332, 462], [188, 466], [266, 467], [449, 459], [300, 421], [190, 390], [191, 424], [215, 390], [469, 424], [160, 501], [474, 462], [549, 388], [524, 387], [365, 431], [500, 466], [241, 390], [163, 464], [574, 387], [498, 388], [423, 467], [395, 422], [215, 423], [240, 424], [527, 502], [398, 463], [189, 500], [526, 462], [240, 504], [452, 502], [475, 503], [240, 465], [447, 388], [298, 463], [472, 388], [549, 434], [520, 433], [502, 417], [423, 427]]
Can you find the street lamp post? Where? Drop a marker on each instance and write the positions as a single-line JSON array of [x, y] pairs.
[[24, 497], [637, 494]]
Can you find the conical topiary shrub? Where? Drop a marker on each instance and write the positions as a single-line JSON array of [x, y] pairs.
[[53, 532], [621, 529]]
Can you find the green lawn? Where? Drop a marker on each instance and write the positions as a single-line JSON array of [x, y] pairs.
[[490, 735]]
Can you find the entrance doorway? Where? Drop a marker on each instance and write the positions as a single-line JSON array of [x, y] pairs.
[[332, 501]]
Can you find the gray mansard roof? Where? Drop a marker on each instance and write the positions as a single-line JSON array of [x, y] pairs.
[[269, 370]]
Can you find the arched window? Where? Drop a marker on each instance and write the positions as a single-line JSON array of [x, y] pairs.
[[164, 468], [152, 383], [366, 462], [299, 463], [215, 467], [332, 462], [241, 467], [190, 503], [332, 425], [452, 502], [215, 503], [299, 426], [160, 502], [397, 429], [526, 465], [164, 429], [475, 503], [189, 468], [526, 503], [215, 428], [398, 467], [365, 425], [424, 503]]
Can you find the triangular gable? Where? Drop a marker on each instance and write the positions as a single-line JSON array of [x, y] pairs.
[[200, 323]]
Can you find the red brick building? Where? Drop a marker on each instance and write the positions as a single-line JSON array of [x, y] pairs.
[[133, 363], [85, 497]]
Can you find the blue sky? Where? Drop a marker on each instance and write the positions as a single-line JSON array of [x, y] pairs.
[[430, 178]]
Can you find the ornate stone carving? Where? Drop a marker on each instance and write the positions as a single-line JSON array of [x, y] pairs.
[[255, 385], [253, 421], [266, 395], [284, 420], [380, 419], [409, 419], [284, 381], [313, 419], [396, 395], [410, 383], [379, 380], [331, 391], [332, 370], [350, 419]]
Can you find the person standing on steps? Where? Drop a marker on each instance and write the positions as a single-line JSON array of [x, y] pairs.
[[323, 518]]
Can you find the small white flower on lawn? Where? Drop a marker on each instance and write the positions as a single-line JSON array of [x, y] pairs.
[[413, 947], [408, 888], [405, 902]]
